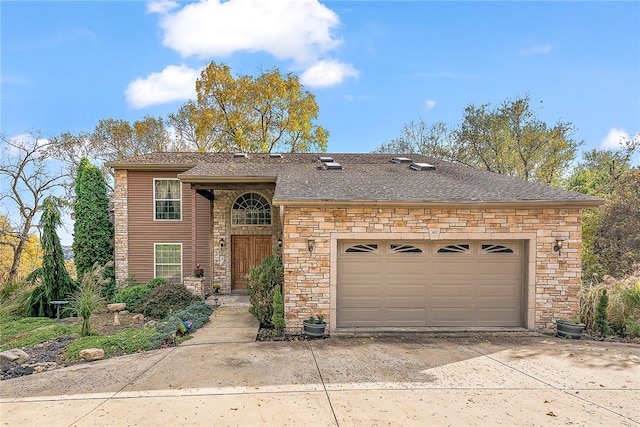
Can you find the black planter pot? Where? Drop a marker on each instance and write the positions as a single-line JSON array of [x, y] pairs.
[[567, 329], [315, 330]]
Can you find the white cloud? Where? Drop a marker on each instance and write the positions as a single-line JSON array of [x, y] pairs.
[[162, 6], [613, 140], [287, 29], [429, 104], [537, 50], [174, 83], [327, 72]]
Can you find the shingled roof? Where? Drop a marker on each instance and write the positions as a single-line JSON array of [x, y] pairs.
[[363, 178]]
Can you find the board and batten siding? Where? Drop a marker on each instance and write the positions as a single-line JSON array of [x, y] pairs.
[[144, 231]]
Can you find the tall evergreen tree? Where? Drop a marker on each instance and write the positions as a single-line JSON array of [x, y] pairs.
[[56, 282], [92, 231]]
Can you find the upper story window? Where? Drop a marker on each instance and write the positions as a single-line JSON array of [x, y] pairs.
[[167, 196], [251, 209]]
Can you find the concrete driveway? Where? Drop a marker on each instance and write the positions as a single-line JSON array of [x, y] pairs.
[[222, 377]]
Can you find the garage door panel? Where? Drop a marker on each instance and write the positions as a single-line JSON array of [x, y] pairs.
[[496, 316], [455, 291], [495, 268], [470, 283], [502, 291], [450, 316], [454, 268], [399, 317]]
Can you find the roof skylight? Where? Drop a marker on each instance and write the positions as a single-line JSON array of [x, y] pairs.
[[401, 160], [332, 166], [422, 167]]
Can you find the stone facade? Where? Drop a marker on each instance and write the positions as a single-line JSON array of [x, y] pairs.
[[221, 229], [196, 285], [553, 279], [121, 208]]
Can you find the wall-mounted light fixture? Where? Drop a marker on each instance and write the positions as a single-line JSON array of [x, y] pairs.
[[279, 243], [222, 243], [558, 246], [311, 244]]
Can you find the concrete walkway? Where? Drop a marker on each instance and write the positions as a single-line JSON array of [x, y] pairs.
[[223, 377]]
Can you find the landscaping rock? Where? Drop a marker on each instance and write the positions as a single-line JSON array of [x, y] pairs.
[[91, 354], [14, 355], [137, 317]]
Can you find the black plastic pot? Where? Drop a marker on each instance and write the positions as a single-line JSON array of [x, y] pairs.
[[315, 330], [566, 329]]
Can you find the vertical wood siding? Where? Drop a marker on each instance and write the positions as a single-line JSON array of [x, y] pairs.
[[144, 230]]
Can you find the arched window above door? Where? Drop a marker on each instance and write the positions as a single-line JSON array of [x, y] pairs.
[[251, 209]]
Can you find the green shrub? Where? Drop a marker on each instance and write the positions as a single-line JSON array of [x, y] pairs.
[[88, 297], [154, 283], [623, 310], [165, 334], [277, 319], [165, 299], [14, 299], [261, 281], [602, 315], [132, 296]]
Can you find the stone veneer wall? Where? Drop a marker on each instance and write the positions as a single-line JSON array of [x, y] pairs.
[[553, 283], [221, 228], [121, 240], [196, 285]]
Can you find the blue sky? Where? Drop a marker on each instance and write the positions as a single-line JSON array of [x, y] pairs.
[[372, 65]]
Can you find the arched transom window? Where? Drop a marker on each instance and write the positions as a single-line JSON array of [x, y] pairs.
[[251, 209]]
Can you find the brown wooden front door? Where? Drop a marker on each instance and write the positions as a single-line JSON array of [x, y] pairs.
[[247, 252]]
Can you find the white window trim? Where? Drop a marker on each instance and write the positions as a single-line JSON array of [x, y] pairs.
[[155, 218], [155, 264], [252, 225]]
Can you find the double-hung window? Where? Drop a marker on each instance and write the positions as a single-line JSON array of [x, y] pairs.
[[167, 196], [168, 261]]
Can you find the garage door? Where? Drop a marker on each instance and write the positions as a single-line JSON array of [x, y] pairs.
[[427, 283]]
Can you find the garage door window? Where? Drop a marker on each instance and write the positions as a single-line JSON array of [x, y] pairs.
[[405, 249], [362, 248], [496, 249], [454, 249]]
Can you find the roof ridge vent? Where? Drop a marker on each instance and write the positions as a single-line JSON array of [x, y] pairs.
[[325, 159], [401, 160], [422, 167], [238, 155], [275, 155], [332, 166]]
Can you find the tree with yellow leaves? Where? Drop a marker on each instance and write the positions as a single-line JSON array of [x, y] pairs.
[[254, 114]]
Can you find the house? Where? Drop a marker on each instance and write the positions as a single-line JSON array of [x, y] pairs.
[[369, 241]]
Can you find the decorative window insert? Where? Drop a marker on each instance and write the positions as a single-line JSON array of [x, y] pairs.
[[496, 249], [398, 248], [362, 248], [167, 196], [454, 249], [251, 209], [168, 261]]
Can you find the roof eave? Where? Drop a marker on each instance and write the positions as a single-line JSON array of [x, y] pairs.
[[151, 167], [523, 204], [225, 179]]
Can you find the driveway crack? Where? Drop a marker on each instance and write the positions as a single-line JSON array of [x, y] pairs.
[[324, 386]]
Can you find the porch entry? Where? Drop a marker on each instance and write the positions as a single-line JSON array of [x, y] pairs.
[[247, 251]]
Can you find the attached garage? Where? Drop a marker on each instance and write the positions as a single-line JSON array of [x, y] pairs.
[[386, 283]]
